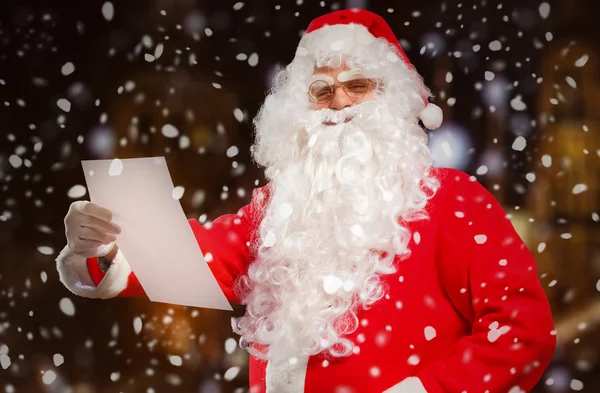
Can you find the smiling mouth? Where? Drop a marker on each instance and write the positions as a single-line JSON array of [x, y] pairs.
[[329, 123]]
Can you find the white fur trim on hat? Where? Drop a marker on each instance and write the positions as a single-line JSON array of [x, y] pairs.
[[432, 116], [342, 38], [409, 385], [73, 273]]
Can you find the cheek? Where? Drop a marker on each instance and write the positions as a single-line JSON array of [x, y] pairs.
[[316, 107], [368, 97]]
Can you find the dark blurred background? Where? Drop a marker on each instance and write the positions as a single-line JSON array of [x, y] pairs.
[[518, 82]]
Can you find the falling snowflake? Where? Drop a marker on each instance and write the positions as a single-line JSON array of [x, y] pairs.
[[77, 191], [64, 104], [67, 69], [231, 373], [66, 306], [48, 377], [519, 144], [178, 192], [169, 131], [108, 10]]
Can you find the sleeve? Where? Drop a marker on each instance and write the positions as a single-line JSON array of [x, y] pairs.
[[491, 278], [225, 244]]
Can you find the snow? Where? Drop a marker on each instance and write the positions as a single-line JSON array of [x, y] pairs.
[[546, 160], [238, 114], [169, 131], [232, 151], [541, 247], [430, 333], [231, 373], [482, 170], [64, 104], [108, 11], [66, 306], [178, 192], [544, 10], [530, 177], [413, 360], [48, 377], [58, 359], [582, 61], [519, 144], [137, 325], [67, 69], [230, 345], [417, 237], [4, 361], [480, 239], [115, 168], [158, 51], [374, 371], [579, 188], [495, 46], [77, 191], [517, 103], [253, 60], [15, 161], [175, 360], [46, 250], [576, 385]]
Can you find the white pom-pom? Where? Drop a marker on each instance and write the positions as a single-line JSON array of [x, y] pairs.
[[432, 116]]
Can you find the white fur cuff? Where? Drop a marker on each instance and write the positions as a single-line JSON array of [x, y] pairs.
[[409, 385], [73, 273]]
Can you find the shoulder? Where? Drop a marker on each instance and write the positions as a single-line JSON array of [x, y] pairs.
[[459, 188], [450, 180], [456, 181]]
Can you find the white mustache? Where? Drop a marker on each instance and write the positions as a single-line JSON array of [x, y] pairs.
[[340, 116], [335, 116]]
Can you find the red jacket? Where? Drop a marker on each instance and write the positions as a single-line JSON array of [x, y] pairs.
[[465, 313]]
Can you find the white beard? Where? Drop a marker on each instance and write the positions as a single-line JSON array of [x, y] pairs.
[[331, 230]]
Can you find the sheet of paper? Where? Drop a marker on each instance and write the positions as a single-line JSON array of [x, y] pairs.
[[156, 238]]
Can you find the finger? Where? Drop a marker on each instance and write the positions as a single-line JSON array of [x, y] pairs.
[[100, 225], [91, 209], [85, 248], [93, 234]]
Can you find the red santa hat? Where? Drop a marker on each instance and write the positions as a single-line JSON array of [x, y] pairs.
[[346, 29]]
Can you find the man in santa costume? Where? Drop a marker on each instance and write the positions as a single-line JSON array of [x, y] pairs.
[[363, 268]]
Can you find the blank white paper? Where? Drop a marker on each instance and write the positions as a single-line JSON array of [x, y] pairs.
[[156, 238]]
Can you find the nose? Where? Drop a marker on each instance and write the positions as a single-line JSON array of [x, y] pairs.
[[340, 99]]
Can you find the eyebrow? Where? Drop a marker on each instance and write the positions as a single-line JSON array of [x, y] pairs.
[[345, 76], [318, 77]]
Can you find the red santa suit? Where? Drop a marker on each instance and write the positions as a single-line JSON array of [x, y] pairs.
[[465, 313]]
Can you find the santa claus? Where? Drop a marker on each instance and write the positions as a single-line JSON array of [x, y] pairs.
[[363, 268]]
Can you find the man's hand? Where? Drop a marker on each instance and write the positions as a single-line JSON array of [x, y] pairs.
[[89, 229]]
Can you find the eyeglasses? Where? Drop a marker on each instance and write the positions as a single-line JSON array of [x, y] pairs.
[[320, 92]]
